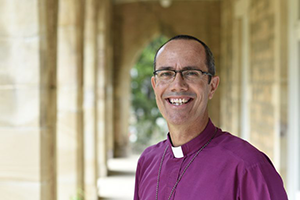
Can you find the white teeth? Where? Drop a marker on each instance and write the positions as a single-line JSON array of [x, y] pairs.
[[178, 102]]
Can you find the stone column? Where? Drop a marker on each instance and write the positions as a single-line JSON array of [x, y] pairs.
[[28, 99], [109, 97], [48, 15], [70, 100], [121, 112], [281, 96], [104, 86], [90, 114], [121, 82]]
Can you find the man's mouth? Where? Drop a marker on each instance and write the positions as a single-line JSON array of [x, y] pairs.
[[179, 101]]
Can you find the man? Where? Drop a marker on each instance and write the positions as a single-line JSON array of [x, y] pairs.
[[198, 160]]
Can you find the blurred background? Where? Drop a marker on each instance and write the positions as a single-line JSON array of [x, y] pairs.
[[76, 103]]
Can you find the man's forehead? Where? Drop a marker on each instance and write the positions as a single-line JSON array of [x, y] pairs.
[[161, 50], [182, 44]]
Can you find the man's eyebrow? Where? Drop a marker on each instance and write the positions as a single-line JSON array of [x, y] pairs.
[[172, 68], [166, 68], [190, 67]]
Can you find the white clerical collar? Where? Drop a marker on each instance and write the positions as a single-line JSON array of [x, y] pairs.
[[177, 152]]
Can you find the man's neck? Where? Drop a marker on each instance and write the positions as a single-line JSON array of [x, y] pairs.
[[182, 134]]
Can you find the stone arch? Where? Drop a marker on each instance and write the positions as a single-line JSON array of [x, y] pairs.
[[123, 92]]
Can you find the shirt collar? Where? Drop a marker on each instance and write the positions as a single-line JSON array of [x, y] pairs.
[[194, 144]]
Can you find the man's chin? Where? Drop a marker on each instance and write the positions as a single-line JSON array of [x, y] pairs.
[[177, 121]]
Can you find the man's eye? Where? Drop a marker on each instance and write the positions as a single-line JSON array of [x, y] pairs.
[[166, 74], [192, 73]]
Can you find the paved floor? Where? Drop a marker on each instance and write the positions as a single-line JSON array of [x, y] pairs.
[[119, 185]]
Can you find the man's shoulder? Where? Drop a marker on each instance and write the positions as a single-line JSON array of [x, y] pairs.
[[240, 150], [152, 151]]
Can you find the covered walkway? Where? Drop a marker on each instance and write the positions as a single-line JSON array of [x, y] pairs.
[[65, 86], [119, 184]]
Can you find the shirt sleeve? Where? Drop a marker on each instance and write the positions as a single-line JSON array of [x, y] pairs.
[[261, 181]]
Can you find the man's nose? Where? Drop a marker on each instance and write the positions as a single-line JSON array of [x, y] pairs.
[[179, 83]]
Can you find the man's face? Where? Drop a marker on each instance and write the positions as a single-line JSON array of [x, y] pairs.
[[182, 101]]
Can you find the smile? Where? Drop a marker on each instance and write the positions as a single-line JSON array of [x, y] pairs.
[[178, 101]]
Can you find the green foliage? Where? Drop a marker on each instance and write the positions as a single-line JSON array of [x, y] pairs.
[[144, 112]]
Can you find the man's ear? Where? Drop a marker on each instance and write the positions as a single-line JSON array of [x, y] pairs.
[[214, 83], [153, 82]]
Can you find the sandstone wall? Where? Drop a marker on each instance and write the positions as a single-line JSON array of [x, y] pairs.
[[28, 99], [254, 69], [50, 96]]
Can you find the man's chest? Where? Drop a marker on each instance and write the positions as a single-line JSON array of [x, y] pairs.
[[180, 179]]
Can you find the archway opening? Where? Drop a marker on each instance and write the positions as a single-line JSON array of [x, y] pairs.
[[146, 125]]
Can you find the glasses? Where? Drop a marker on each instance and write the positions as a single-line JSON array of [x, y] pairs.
[[192, 75]]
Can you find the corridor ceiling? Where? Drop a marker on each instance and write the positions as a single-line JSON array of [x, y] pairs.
[[131, 1]]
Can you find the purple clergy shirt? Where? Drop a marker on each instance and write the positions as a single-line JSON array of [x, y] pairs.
[[227, 168]]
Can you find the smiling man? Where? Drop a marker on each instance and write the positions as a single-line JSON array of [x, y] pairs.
[[198, 160]]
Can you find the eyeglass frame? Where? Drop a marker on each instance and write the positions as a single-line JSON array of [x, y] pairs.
[[180, 71]]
